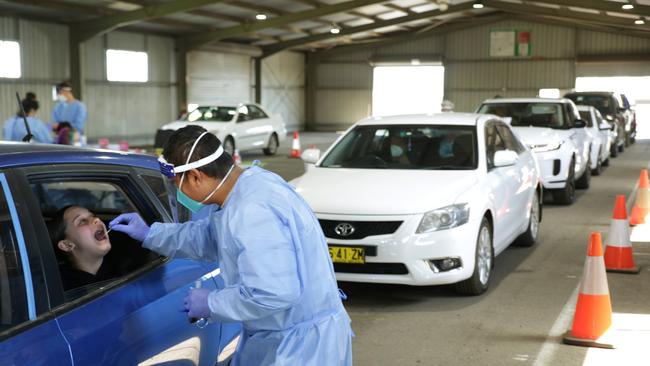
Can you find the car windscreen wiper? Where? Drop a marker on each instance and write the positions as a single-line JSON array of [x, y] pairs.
[[449, 167]]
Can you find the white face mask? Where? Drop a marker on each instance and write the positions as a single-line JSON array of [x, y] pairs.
[[61, 98]]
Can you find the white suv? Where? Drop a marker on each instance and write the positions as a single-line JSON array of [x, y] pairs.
[[553, 130]]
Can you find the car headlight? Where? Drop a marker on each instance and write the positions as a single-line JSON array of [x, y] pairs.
[[545, 147], [444, 218]]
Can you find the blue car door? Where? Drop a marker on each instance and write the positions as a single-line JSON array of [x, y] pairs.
[[135, 317], [29, 334]]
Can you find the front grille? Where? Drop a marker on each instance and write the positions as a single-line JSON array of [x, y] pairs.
[[161, 137], [361, 228], [372, 268]]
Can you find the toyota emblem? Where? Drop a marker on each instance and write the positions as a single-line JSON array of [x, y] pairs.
[[344, 229]]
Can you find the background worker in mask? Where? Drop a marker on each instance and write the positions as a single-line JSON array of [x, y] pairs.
[[69, 109], [279, 279]]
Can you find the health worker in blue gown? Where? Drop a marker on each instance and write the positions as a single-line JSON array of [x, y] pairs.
[[279, 279], [14, 128], [69, 109]]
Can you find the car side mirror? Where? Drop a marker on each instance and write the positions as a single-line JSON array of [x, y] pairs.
[[579, 123], [605, 126], [310, 156], [505, 158]]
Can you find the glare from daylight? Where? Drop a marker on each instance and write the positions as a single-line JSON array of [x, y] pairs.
[[635, 89], [407, 89], [10, 60], [128, 66]]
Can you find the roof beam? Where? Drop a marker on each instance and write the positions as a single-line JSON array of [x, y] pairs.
[[423, 32], [582, 25], [275, 48], [198, 40], [562, 13], [610, 6], [88, 29]]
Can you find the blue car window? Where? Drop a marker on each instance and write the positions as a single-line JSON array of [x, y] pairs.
[[157, 186], [13, 295]]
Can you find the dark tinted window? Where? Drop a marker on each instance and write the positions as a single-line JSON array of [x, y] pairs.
[[406, 147], [529, 114], [13, 299], [586, 116], [605, 104], [210, 114], [256, 113]]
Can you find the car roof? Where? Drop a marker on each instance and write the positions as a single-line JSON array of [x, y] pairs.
[[14, 154], [526, 100], [601, 93], [454, 119]]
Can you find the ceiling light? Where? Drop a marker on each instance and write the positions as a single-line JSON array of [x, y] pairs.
[[478, 5], [639, 21], [335, 30], [260, 16], [627, 6], [443, 5]]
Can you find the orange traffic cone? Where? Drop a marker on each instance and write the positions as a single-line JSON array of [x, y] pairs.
[[593, 314], [236, 158], [642, 204], [618, 252], [295, 145]]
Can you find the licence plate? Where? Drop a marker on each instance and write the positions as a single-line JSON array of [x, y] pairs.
[[347, 255]]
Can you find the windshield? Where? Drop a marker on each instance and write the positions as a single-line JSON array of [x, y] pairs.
[[406, 147], [603, 103], [211, 114], [528, 114]]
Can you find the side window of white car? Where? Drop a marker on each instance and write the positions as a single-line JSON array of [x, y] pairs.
[[256, 113], [493, 143], [244, 114], [509, 139]]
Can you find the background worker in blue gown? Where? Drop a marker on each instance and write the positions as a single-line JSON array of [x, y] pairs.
[[14, 128], [69, 109], [279, 279]]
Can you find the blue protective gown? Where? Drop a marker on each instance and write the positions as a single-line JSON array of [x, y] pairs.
[[74, 112], [14, 130], [279, 279]]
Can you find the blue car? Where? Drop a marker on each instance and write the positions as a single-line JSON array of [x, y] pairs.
[[133, 318]]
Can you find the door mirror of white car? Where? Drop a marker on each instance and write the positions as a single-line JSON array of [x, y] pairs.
[[310, 156], [579, 123], [605, 126], [505, 158]]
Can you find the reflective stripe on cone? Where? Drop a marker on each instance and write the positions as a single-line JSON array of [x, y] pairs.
[[619, 256]]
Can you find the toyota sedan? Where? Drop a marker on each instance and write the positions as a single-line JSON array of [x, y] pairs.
[[424, 199]]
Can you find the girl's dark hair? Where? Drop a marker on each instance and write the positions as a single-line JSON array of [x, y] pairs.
[[180, 142], [56, 230], [28, 106]]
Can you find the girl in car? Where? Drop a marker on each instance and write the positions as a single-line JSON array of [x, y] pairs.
[[81, 241]]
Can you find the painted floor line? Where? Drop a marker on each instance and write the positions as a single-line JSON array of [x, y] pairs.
[[563, 321]]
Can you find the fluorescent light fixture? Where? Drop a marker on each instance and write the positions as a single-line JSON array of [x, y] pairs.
[[10, 60], [260, 16], [335, 30], [478, 5], [129, 66], [627, 6], [639, 21]]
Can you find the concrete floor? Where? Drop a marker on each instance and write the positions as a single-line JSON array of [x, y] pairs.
[[519, 321]]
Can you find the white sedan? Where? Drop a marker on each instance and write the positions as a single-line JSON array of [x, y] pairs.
[[553, 130], [423, 199], [242, 127], [602, 137]]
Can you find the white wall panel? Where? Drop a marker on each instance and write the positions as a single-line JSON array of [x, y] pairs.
[[337, 109], [218, 78], [600, 43], [283, 87]]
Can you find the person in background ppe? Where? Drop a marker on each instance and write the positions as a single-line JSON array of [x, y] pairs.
[[14, 128], [274, 260], [447, 106], [69, 109]]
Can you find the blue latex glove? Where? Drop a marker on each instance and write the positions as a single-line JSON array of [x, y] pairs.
[[196, 303], [131, 224]]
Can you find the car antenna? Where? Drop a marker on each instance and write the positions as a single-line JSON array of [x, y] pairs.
[[28, 137]]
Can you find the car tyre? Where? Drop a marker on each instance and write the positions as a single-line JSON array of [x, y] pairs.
[[483, 263], [606, 162], [529, 238], [272, 147], [613, 151], [585, 179], [229, 146], [567, 195], [621, 147]]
